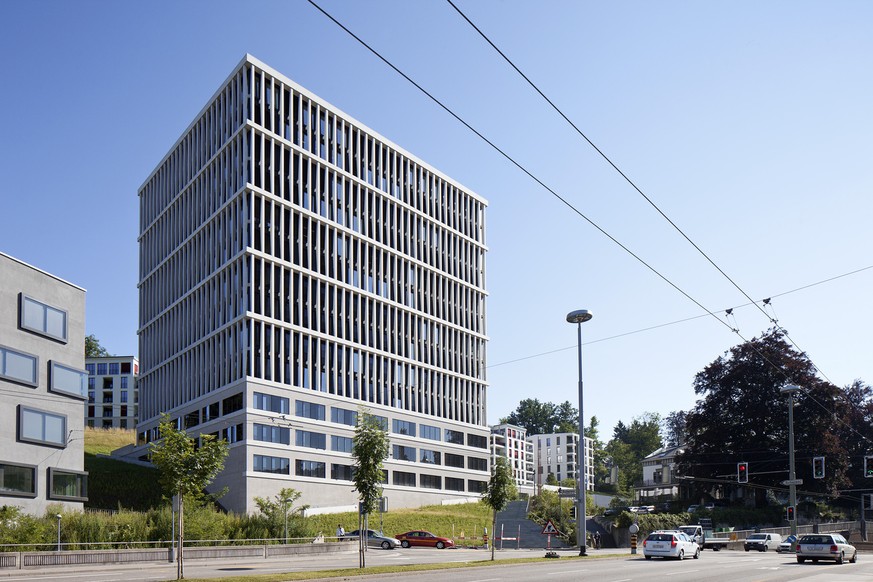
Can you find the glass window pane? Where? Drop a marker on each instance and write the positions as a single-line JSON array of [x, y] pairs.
[[55, 427], [69, 381], [31, 425], [56, 323], [34, 315], [20, 367], [15, 480]]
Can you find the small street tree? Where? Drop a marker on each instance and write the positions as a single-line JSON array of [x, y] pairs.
[[276, 511], [184, 468], [93, 349], [369, 451], [499, 492]]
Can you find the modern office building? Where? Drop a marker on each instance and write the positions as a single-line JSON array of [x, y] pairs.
[[556, 454], [508, 440], [295, 268], [113, 396], [42, 388]]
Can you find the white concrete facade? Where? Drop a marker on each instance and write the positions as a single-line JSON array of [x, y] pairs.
[[508, 440], [296, 266], [556, 453], [113, 395], [42, 388]]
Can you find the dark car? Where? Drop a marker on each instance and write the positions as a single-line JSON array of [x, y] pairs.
[[425, 539], [615, 511]]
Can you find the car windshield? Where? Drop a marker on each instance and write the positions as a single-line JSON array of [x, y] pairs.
[[757, 537], [815, 540]]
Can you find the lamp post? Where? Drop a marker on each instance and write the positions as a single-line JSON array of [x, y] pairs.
[[790, 389], [579, 317], [59, 531], [285, 511]]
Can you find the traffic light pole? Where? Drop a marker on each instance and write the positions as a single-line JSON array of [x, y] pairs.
[[792, 488]]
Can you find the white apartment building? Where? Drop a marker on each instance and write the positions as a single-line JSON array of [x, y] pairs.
[[508, 440], [113, 396], [42, 389], [556, 454], [295, 268]]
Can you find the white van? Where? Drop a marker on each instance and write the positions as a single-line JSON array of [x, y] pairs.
[[762, 542]]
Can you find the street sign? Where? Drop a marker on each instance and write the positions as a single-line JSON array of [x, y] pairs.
[[566, 493], [793, 482], [550, 529]]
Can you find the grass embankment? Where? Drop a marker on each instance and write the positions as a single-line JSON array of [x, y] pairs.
[[113, 484]]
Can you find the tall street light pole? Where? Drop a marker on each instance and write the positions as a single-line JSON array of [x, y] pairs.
[[790, 389], [579, 317]]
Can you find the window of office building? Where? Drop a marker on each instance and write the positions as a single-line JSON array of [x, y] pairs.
[[68, 381], [232, 404], [474, 486], [271, 403], [404, 427], [309, 410], [431, 481], [341, 444], [453, 484], [277, 465], [91, 369], [342, 472], [18, 366], [313, 440], [17, 480], [68, 485], [478, 441], [271, 434], [456, 461], [44, 428], [43, 319], [343, 416], [124, 383], [429, 432], [402, 453], [454, 436], [101, 369], [405, 479], [430, 457], [477, 464], [309, 469], [125, 367]]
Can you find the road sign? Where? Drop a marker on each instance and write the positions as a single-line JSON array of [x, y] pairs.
[[793, 482], [566, 493], [550, 529]]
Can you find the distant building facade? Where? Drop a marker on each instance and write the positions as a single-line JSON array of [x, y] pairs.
[[660, 482], [508, 440], [42, 389], [556, 454], [113, 395], [296, 268]]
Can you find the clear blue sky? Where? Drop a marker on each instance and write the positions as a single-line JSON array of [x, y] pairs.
[[748, 123]]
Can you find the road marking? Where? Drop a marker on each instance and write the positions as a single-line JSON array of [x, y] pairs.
[[486, 580], [565, 572], [680, 572]]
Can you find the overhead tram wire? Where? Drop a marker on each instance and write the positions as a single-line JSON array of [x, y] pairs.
[[541, 183], [634, 186]]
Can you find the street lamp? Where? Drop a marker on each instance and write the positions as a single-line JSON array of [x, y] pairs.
[[790, 389], [285, 511], [59, 531], [579, 317]]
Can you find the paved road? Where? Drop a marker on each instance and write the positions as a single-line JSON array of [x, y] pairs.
[[727, 566]]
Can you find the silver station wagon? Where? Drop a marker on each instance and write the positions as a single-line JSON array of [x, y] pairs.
[[830, 546]]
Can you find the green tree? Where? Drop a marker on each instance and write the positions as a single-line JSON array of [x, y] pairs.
[[544, 417], [674, 428], [185, 469], [93, 349], [369, 451], [599, 461], [278, 511], [499, 492], [630, 444]]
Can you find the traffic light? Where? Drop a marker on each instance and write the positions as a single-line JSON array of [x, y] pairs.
[[573, 512], [868, 466], [869, 497], [789, 513], [818, 467], [743, 471]]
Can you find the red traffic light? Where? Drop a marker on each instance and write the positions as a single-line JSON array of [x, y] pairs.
[[742, 472]]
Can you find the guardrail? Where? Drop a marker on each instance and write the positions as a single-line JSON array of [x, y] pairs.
[[22, 560]]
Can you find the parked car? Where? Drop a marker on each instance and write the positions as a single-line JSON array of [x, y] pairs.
[[786, 544], [762, 542], [832, 546], [615, 511], [692, 508], [424, 538], [375, 539], [670, 544]]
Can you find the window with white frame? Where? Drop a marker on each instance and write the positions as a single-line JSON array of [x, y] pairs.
[[40, 427], [43, 319]]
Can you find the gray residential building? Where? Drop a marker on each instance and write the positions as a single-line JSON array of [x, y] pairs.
[[113, 395], [42, 388], [296, 268]]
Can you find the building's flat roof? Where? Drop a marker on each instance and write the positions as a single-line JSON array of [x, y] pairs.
[[19, 261]]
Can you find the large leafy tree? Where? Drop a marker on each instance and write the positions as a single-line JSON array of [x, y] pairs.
[[186, 469], [93, 349], [743, 416], [369, 451], [499, 491], [544, 417], [630, 444]]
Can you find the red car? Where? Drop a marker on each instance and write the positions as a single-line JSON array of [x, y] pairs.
[[424, 538]]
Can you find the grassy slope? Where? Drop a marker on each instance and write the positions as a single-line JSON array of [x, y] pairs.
[[113, 484]]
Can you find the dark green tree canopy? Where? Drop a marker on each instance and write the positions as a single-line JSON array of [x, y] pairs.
[[630, 444], [93, 349], [369, 450], [742, 416], [544, 417]]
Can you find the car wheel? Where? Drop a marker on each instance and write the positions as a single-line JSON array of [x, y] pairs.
[[764, 549], [440, 545], [681, 555], [747, 549], [404, 544], [841, 558], [854, 557], [815, 560], [386, 545], [648, 557], [697, 553], [800, 560]]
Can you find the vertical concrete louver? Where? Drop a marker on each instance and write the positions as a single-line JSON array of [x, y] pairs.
[[295, 266]]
